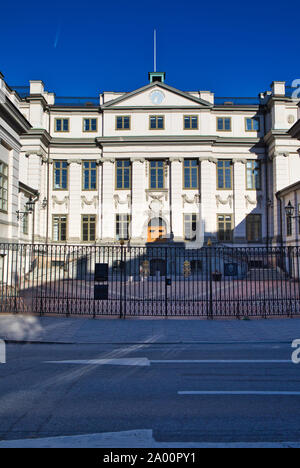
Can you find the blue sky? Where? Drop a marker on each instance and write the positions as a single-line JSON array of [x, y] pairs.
[[82, 48]]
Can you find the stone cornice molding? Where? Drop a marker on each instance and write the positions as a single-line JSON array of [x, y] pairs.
[[176, 159], [240, 160], [74, 161], [221, 201], [118, 201], [106, 160], [64, 201], [257, 201], [137, 159], [195, 199], [158, 194], [277, 154], [93, 201], [208, 158]]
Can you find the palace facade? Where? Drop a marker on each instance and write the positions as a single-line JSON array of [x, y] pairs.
[[156, 164]]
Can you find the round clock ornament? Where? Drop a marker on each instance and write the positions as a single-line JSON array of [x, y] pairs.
[[157, 97]]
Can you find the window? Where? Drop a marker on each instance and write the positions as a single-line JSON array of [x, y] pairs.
[[298, 219], [88, 228], [224, 174], [59, 223], [190, 226], [25, 221], [253, 175], [61, 125], [224, 124], [60, 175], [123, 174], [224, 228], [156, 174], [190, 174], [253, 227], [123, 122], [89, 175], [122, 226], [289, 226], [252, 125], [190, 122], [3, 186], [90, 125], [156, 122]]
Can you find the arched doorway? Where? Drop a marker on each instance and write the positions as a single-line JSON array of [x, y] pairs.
[[157, 230]]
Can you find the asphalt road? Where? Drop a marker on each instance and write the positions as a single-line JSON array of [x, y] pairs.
[[148, 387]]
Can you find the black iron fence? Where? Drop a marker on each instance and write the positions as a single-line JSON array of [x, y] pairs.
[[149, 281]]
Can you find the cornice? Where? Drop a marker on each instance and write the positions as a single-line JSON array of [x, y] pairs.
[[73, 142], [39, 133], [294, 132], [174, 139], [13, 117], [38, 98]]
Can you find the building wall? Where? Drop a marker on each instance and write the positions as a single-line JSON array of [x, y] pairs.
[[32, 156]]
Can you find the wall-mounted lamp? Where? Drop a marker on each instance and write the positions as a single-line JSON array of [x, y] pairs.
[[29, 209], [289, 210]]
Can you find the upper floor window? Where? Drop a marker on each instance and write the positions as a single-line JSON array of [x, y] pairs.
[[190, 122], [59, 228], [224, 124], [60, 175], [3, 186], [252, 125], [190, 176], [88, 228], [90, 125], [123, 122], [157, 174], [253, 227], [89, 175], [224, 174], [123, 174], [253, 175], [156, 122], [62, 125]]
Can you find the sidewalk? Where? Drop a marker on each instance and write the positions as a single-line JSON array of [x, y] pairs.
[[86, 330]]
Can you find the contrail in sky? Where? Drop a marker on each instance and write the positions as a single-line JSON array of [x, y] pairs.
[[57, 36]]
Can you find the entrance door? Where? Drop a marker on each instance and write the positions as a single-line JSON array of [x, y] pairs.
[[157, 265], [157, 230]]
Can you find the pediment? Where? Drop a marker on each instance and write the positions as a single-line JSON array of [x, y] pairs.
[[156, 95]]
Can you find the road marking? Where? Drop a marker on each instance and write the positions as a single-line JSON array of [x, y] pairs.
[[112, 362], [205, 392], [220, 361], [146, 362]]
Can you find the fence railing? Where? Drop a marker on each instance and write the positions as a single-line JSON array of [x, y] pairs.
[[163, 280]]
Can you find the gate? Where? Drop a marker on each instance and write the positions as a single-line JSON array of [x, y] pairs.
[[162, 280]]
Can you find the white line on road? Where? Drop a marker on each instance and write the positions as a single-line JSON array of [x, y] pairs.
[[205, 392], [113, 362], [147, 362], [220, 361]]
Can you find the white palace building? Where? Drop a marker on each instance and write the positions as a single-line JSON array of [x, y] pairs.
[[156, 164]]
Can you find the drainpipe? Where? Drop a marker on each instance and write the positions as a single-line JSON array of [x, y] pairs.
[[48, 182], [267, 187]]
